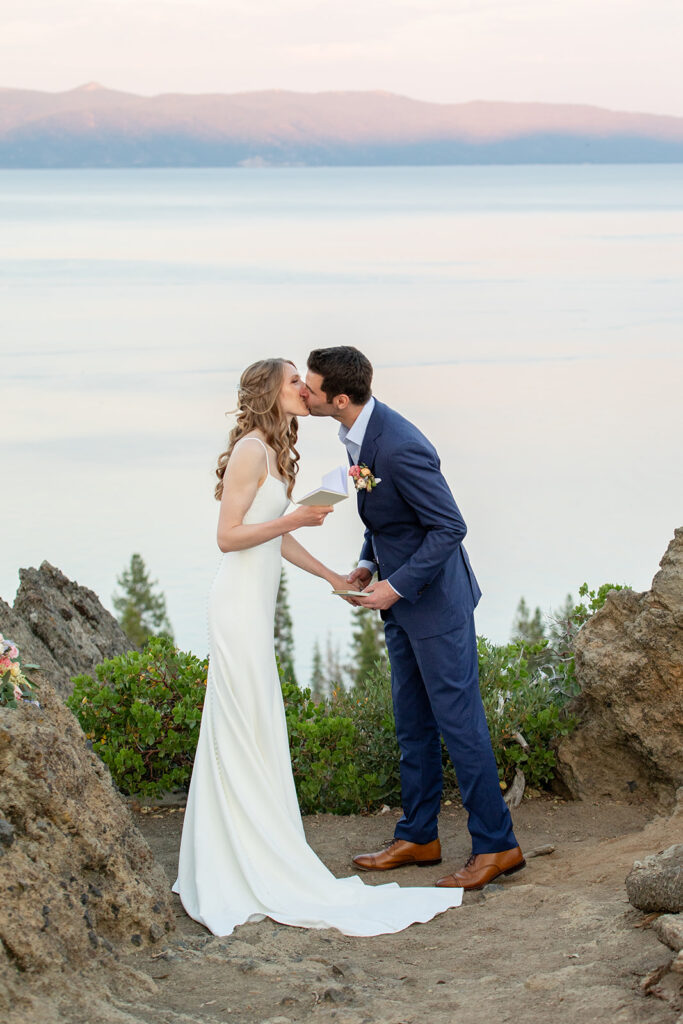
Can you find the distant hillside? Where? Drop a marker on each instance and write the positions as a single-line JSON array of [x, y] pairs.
[[96, 127]]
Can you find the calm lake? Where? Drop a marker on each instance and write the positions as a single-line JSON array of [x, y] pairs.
[[528, 319]]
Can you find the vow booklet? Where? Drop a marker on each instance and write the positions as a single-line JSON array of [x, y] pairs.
[[334, 488]]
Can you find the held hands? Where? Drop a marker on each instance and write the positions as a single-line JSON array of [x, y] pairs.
[[359, 578], [340, 582], [380, 596], [356, 580], [309, 515]]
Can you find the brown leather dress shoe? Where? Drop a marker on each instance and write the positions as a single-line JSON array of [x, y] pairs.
[[482, 868], [397, 853]]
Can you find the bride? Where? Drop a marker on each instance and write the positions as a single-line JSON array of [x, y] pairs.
[[243, 853]]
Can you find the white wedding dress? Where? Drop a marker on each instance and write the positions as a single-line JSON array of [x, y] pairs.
[[243, 854]]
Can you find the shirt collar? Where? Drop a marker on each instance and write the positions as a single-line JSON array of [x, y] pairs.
[[356, 433]]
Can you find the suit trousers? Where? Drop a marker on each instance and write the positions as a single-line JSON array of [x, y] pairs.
[[435, 691]]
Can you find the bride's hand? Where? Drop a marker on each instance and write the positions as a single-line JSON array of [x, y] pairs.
[[340, 582], [309, 515]]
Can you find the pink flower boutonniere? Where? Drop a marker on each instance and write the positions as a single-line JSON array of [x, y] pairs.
[[363, 478]]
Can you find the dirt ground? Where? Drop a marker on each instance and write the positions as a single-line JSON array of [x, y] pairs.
[[557, 943]]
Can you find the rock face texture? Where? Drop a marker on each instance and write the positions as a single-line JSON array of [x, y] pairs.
[[77, 880], [656, 883], [629, 663], [60, 626]]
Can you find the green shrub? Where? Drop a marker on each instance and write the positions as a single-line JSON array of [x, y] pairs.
[[322, 747], [369, 707], [523, 706], [142, 714]]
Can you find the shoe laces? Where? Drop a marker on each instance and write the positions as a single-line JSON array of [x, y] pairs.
[[470, 860], [390, 842]]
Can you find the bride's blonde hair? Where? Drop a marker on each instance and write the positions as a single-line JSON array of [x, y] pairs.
[[258, 408]]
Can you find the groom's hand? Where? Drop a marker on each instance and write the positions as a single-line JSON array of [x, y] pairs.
[[359, 579], [380, 597]]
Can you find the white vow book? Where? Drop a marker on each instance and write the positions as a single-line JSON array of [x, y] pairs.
[[334, 488]]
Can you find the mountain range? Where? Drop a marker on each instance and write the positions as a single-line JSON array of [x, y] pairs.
[[92, 126]]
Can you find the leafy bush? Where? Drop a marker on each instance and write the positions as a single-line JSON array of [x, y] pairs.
[[142, 714], [369, 707], [521, 707], [322, 747]]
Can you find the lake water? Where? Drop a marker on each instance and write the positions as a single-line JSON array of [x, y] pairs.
[[528, 319]]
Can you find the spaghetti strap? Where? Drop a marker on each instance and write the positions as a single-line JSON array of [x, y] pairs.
[[262, 445]]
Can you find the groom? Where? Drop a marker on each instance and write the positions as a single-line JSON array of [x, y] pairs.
[[426, 593]]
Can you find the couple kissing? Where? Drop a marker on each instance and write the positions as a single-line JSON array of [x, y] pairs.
[[244, 854]]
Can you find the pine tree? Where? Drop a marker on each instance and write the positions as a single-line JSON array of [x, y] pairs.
[[526, 627], [141, 612], [333, 670], [529, 630], [284, 635], [318, 684], [563, 629], [367, 644]]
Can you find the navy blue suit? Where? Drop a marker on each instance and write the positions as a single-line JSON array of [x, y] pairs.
[[414, 532]]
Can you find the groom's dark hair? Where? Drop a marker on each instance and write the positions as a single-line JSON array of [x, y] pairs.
[[345, 371]]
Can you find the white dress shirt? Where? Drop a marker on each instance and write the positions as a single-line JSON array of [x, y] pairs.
[[352, 437]]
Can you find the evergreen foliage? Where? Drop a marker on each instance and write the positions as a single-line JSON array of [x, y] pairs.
[[142, 715], [367, 644], [284, 634], [333, 670], [141, 613], [527, 628], [319, 688]]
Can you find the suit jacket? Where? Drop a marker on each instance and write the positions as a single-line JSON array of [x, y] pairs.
[[414, 529]]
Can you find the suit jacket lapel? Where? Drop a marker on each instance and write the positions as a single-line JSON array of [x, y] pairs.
[[370, 444], [372, 432]]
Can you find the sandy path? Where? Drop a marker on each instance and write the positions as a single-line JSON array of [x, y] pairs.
[[557, 943]]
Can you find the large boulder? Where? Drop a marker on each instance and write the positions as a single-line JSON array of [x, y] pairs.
[[629, 663], [60, 626], [78, 882], [656, 883]]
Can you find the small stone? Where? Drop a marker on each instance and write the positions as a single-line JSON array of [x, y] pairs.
[[156, 932], [334, 994], [6, 832], [136, 939]]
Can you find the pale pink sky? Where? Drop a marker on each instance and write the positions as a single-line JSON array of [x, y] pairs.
[[623, 54]]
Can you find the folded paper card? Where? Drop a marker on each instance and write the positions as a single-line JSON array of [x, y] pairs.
[[334, 488]]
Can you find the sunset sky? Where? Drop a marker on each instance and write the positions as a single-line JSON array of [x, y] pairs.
[[623, 54]]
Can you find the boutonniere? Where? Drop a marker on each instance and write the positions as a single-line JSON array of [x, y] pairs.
[[363, 478]]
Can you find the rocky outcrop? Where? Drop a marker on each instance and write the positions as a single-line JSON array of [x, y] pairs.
[[656, 883], [60, 626], [77, 880], [629, 663]]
